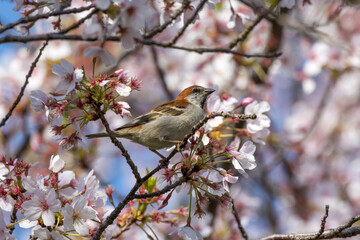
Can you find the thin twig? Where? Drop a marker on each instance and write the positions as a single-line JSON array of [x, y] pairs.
[[328, 234], [237, 218], [162, 27], [188, 22], [343, 231], [119, 145], [160, 73], [18, 98], [45, 16], [200, 50], [78, 23], [323, 222], [248, 30]]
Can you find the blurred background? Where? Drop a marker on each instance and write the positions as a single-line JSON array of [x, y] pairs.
[[311, 157]]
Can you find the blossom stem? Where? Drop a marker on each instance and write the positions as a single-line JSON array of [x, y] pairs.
[[189, 216], [13, 224]]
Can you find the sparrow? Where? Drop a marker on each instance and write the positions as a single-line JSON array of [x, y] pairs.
[[168, 123]]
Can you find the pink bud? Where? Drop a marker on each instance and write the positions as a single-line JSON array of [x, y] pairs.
[[245, 102]]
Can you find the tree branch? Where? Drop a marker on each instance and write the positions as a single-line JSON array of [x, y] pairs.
[[162, 27], [119, 145], [18, 98], [44, 16], [323, 222], [188, 22], [343, 231], [200, 50], [238, 222]]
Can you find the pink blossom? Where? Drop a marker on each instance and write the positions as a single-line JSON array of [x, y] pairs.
[[70, 76], [42, 205]]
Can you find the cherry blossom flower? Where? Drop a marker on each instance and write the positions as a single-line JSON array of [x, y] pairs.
[[56, 163], [236, 22], [186, 233], [135, 13], [260, 135], [243, 158], [121, 108], [6, 201], [262, 121], [70, 76], [38, 100], [42, 205], [103, 4], [75, 216], [44, 233], [3, 171], [216, 104], [287, 4], [67, 178], [94, 29], [105, 56], [95, 196], [227, 178], [128, 36]]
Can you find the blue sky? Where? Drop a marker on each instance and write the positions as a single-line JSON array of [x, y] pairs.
[[7, 15]]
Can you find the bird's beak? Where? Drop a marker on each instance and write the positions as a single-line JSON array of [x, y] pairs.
[[208, 91]]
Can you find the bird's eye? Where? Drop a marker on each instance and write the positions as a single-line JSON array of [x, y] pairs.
[[196, 90]]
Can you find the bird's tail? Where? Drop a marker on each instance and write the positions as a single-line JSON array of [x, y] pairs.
[[97, 135]]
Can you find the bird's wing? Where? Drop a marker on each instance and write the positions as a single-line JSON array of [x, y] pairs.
[[165, 109], [146, 118], [172, 108]]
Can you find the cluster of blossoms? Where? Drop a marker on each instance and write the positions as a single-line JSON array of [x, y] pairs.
[[77, 99], [55, 205]]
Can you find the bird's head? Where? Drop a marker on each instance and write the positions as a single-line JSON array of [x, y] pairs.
[[196, 95]]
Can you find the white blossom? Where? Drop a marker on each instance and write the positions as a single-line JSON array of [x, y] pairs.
[[75, 216], [262, 121], [4, 231], [70, 76], [45, 234], [105, 56], [42, 205], [186, 233], [38, 100], [244, 158], [56, 163]]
